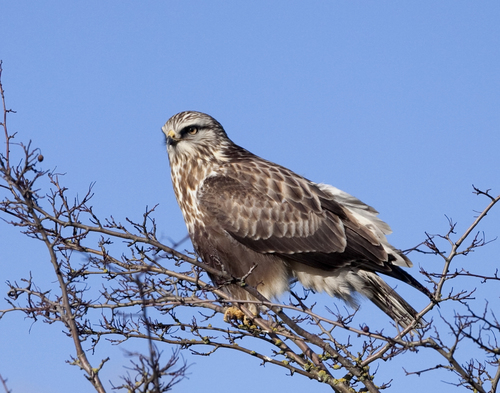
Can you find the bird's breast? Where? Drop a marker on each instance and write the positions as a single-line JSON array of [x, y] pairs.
[[187, 180]]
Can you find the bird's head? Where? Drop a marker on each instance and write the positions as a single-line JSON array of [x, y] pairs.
[[193, 135]]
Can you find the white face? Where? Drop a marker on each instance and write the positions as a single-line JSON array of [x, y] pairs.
[[182, 138], [190, 134]]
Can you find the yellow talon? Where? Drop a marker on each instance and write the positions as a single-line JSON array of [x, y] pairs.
[[235, 314]]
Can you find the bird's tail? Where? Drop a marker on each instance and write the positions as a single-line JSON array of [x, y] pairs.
[[389, 301]]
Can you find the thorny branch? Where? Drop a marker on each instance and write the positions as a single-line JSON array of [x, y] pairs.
[[154, 292]]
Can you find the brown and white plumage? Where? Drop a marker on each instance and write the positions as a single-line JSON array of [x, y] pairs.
[[244, 212]]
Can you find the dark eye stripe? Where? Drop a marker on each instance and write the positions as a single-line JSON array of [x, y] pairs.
[[189, 130]]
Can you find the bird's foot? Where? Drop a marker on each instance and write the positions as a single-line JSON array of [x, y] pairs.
[[235, 314]]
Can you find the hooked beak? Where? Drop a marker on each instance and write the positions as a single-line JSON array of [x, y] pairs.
[[171, 139]]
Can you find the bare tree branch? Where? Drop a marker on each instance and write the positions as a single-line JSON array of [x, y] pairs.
[[117, 281]]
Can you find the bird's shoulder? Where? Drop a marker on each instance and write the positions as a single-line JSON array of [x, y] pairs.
[[272, 209], [256, 178], [256, 201]]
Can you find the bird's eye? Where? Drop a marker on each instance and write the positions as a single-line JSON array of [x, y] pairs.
[[192, 130]]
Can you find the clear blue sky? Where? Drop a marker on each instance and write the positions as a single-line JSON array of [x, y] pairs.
[[397, 103]]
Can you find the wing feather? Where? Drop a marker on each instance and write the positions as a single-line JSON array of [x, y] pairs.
[[270, 209], [257, 220]]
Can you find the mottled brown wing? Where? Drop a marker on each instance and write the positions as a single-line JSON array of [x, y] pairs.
[[265, 225], [272, 210]]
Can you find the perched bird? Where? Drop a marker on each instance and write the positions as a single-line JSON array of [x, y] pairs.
[[247, 215]]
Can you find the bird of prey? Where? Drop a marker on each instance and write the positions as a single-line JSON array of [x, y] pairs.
[[247, 216]]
